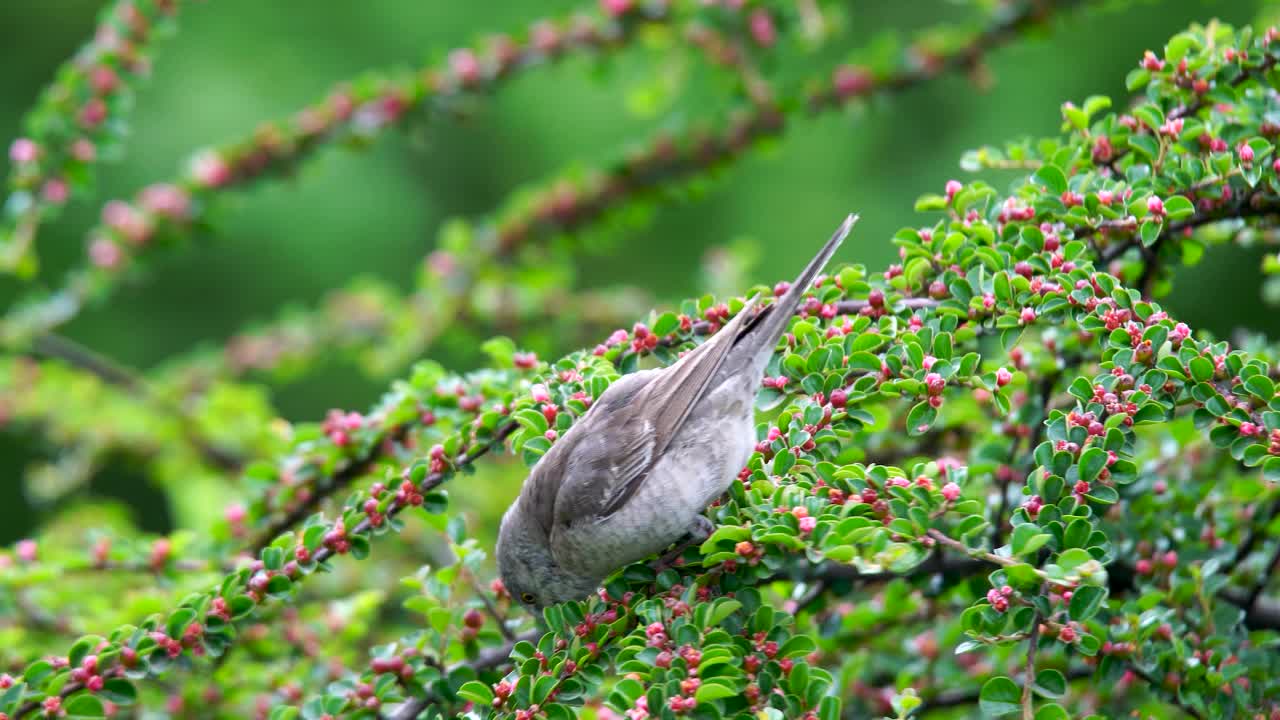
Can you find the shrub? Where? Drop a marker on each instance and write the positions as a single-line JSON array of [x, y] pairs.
[[993, 478]]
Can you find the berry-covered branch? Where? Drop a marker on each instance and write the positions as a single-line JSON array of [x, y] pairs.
[[79, 117]]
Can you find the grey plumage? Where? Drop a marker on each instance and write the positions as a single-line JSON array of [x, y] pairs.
[[634, 474]]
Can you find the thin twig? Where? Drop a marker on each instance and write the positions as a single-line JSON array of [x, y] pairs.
[[492, 609], [488, 659], [110, 372], [342, 478], [1028, 706], [1150, 681]]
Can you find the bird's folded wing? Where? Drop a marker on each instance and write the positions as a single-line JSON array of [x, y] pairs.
[[635, 423]]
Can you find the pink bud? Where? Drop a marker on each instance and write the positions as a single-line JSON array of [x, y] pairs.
[[850, 80], [934, 383], [23, 151], [1151, 62], [55, 191], [951, 491], [105, 254], [26, 550], [1155, 205], [762, 28], [465, 65], [1003, 377], [210, 170], [166, 200], [953, 187], [540, 393], [615, 8], [1246, 153]]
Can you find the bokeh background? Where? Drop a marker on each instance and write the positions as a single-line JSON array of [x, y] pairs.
[[236, 63]]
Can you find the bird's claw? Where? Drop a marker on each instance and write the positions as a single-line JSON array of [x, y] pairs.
[[698, 532]]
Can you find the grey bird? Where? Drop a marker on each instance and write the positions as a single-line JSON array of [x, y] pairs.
[[636, 471]]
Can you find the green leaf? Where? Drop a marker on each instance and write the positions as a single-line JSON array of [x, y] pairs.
[[1027, 538], [477, 692], [665, 324], [711, 691], [1150, 232], [1201, 368], [725, 533], [920, 418], [1052, 711], [36, 672], [1137, 79], [1260, 386], [179, 620], [1052, 177], [1091, 463], [84, 706], [723, 608], [119, 691], [313, 537], [1085, 601], [1000, 696], [1178, 207], [1050, 683]]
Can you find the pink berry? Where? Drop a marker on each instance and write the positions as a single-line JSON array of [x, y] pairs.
[[850, 81], [24, 151], [763, 30], [540, 393], [465, 65], [934, 383], [953, 187], [615, 8], [210, 170], [27, 550]]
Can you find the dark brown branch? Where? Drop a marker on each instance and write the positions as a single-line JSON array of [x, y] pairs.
[[488, 659], [60, 348], [349, 472], [1246, 208], [1154, 684]]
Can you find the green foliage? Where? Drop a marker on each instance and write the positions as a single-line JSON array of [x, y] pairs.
[[996, 476]]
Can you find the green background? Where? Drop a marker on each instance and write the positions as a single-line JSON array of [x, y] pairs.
[[236, 63]]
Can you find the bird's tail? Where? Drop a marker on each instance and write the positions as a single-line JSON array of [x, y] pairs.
[[759, 338]]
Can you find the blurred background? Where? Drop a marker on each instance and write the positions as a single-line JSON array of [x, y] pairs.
[[237, 63]]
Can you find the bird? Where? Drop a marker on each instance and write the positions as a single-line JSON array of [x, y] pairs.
[[634, 474]]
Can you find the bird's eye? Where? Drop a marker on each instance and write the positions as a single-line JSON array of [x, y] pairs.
[[527, 598]]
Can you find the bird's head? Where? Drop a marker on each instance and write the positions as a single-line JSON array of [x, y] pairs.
[[528, 569]]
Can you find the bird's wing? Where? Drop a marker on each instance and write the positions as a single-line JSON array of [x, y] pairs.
[[633, 425]]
